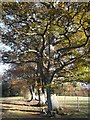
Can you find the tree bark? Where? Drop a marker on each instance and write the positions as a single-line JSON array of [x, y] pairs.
[[31, 95], [49, 102], [39, 103]]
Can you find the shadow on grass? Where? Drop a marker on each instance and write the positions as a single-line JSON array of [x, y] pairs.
[[15, 104], [47, 118]]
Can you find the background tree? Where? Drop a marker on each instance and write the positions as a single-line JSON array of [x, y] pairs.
[[55, 37], [26, 73]]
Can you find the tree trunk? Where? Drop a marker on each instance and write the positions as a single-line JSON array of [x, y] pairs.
[[49, 102], [30, 89], [39, 103]]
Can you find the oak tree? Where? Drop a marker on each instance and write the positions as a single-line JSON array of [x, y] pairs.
[[53, 36]]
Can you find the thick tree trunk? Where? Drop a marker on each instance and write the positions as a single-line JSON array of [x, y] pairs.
[[49, 102]]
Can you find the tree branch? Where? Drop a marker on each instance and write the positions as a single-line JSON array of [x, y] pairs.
[[20, 62], [65, 64], [43, 44], [73, 47]]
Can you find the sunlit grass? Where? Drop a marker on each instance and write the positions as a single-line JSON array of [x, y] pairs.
[[68, 103], [11, 98]]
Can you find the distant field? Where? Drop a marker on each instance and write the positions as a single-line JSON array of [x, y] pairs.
[[11, 98], [73, 100], [77, 105]]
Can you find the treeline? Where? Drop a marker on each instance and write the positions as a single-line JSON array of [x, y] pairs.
[[17, 88]]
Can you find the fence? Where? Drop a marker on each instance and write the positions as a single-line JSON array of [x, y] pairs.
[[73, 102]]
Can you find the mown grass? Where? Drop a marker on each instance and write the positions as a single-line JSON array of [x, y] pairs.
[[68, 103], [79, 108], [12, 98]]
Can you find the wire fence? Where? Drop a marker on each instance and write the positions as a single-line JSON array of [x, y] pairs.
[[74, 102]]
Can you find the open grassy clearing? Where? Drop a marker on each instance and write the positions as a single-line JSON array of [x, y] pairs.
[[11, 99], [77, 106], [17, 107]]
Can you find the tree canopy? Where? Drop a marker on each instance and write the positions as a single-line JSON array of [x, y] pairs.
[[55, 37]]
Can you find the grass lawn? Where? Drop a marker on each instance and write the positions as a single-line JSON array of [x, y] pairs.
[[78, 106], [17, 107]]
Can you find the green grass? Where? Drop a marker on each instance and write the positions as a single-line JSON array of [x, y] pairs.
[[68, 103], [11, 98]]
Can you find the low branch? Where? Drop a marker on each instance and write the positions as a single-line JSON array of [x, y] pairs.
[[56, 71]]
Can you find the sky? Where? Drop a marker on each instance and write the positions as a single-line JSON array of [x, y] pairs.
[[3, 67], [3, 47]]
